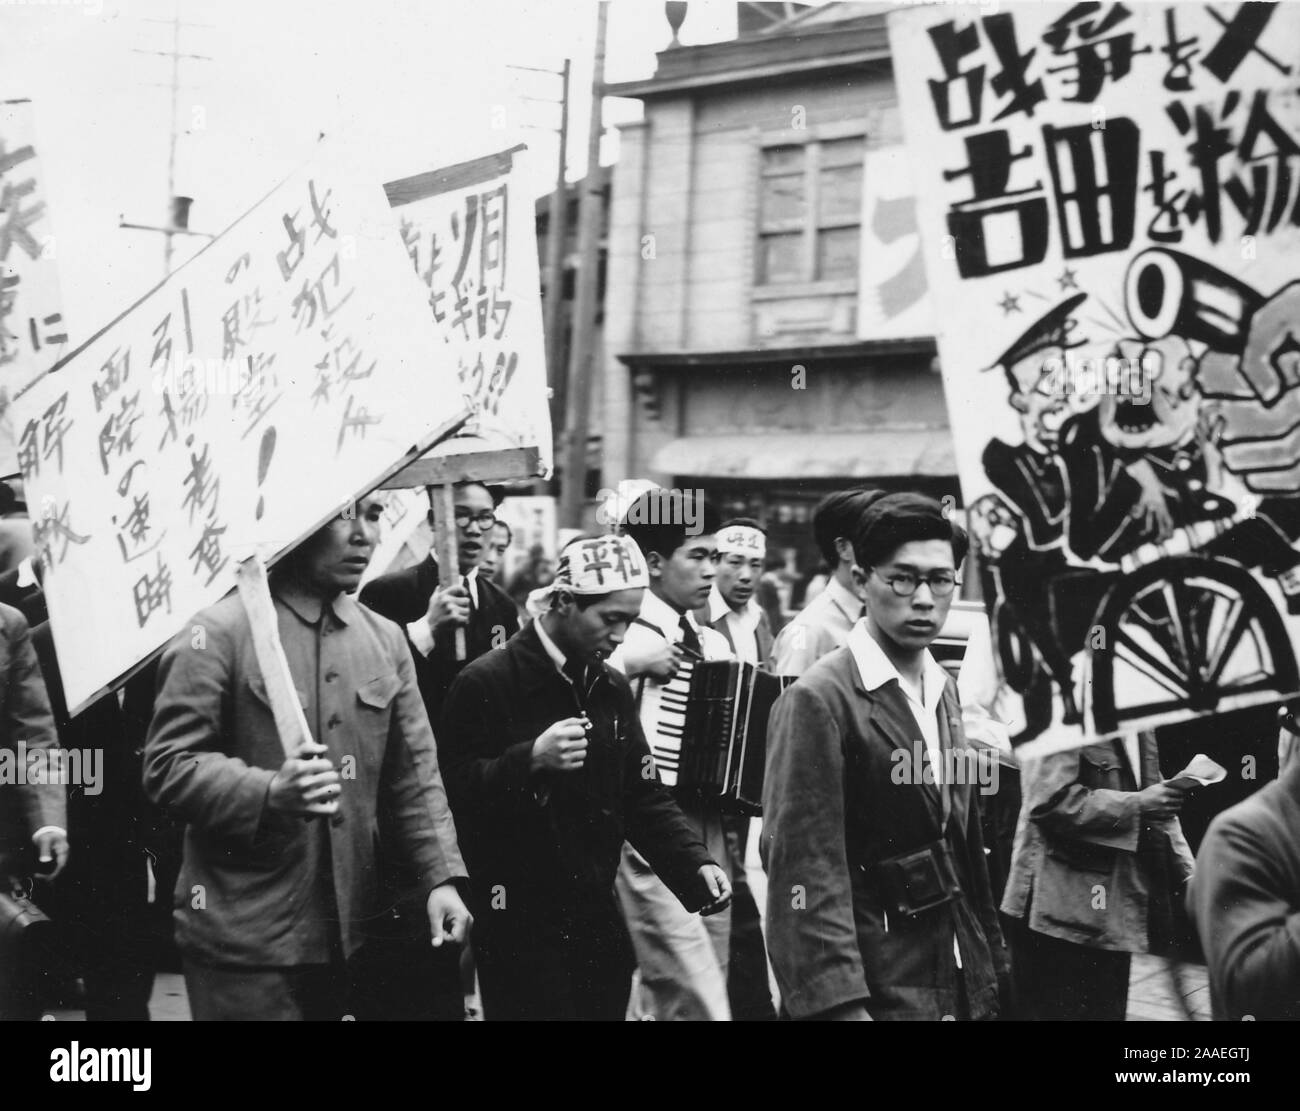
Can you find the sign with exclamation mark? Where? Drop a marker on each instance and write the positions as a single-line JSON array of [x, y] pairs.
[[264, 454]]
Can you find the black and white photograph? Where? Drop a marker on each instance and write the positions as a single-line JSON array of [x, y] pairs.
[[607, 510]]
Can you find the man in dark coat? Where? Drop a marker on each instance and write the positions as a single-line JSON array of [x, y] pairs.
[[879, 904], [33, 815], [101, 903], [431, 610], [1245, 901], [416, 982], [548, 771]]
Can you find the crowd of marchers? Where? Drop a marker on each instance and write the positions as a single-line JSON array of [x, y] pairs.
[[482, 809]]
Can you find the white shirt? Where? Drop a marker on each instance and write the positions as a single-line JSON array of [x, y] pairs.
[[876, 670], [418, 630], [664, 624], [742, 626]]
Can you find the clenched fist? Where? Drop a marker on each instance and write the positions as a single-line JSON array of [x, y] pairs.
[[563, 747], [306, 784]]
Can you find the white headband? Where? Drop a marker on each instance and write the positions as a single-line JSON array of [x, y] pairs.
[[596, 566], [742, 540]]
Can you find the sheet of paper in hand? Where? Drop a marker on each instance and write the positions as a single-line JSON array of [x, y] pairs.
[[1108, 201], [470, 234], [33, 336], [287, 369]]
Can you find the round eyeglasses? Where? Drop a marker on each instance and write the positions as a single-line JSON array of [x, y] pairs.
[[904, 583], [485, 518]]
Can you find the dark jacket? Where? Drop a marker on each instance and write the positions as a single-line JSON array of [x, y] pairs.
[[110, 821], [832, 809], [1245, 901], [544, 849], [213, 749], [24, 718], [403, 596], [556, 836]]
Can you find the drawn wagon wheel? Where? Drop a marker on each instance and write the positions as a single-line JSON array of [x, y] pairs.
[[1185, 633], [1015, 647]]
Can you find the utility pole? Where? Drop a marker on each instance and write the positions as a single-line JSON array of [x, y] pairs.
[[178, 207], [557, 233], [557, 238], [590, 213]]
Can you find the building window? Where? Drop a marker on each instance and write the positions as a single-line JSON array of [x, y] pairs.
[[810, 210]]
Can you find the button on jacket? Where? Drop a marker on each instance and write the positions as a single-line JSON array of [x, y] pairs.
[[259, 887]]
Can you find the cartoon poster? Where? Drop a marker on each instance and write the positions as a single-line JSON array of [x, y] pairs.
[[1110, 207]]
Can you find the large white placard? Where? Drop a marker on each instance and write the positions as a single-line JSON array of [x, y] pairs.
[[284, 371], [470, 233], [33, 336]]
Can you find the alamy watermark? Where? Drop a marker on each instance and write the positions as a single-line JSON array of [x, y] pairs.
[[957, 766], [74, 767]]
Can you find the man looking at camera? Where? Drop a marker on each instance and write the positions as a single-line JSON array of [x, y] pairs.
[[548, 771], [879, 903], [280, 870]]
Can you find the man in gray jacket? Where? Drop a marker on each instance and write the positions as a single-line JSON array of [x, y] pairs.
[[1099, 859], [279, 877]]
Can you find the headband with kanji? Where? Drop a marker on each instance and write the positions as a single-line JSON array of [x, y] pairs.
[[597, 566], [742, 540]]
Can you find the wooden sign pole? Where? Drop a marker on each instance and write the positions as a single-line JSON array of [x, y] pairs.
[[444, 543], [290, 721]]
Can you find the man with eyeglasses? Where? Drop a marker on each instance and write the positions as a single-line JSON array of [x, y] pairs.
[[879, 903], [432, 610], [424, 984]]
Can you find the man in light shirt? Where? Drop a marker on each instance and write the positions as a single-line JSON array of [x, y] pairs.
[[731, 609], [824, 623], [683, 958], [733, 612]]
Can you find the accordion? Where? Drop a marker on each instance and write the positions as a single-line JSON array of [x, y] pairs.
[[710, 737]]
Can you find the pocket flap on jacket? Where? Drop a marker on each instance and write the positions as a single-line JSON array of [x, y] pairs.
[[378, 693], [1101, 757], [257, 685]]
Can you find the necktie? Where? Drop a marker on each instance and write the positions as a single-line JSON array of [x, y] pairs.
[[470, 589], [690, 638]]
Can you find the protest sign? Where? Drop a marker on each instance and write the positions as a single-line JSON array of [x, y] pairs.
[[1108, 201], [33, 336], [288, 368], [470, 234]]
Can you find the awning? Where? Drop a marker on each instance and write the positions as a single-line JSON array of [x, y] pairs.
[[888, 452]]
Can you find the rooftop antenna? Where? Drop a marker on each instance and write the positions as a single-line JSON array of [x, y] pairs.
[[179, 207]]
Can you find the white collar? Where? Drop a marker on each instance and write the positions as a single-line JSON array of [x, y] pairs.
[[718, 608], [552, 650], [657, 612], [847, 601], [876, 669], [27, 573]]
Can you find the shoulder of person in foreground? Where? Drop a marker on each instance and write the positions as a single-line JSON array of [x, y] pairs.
[[1245, 902]]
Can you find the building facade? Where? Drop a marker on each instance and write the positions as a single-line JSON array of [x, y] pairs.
[[743, 353]]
